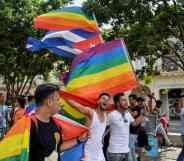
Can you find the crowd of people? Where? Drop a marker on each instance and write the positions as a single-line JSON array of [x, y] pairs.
[[119, 135]]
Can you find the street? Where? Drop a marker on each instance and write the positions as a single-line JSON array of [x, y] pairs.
[[169, 154]]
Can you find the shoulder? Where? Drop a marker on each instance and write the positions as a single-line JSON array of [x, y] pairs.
[[55, 124], [129, 116], [112, 114]]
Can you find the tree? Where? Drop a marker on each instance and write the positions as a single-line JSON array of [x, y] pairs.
[[146, 25], [18, 67]]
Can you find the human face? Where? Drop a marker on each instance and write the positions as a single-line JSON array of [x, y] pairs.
[[123, 103], [53, 103], [103, 102], [132, 101]]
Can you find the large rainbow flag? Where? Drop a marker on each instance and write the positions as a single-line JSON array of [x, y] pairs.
[[15, 146], [104, 68], [66, 18]]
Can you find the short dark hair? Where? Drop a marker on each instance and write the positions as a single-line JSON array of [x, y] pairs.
[[133, 96], [116, 98], [43, 91], [22, 101], [140, 99], [30, 98], [103, 94]]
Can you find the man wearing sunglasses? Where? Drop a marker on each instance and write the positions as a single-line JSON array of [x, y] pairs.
[[119, 121]]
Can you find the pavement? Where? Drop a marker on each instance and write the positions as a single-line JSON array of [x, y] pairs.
[[168, 154]]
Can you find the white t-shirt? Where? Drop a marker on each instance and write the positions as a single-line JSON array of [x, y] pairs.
[[120, 131]]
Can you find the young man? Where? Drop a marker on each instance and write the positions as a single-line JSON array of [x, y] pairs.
[[120, 120], [135, 111], [45, 139], [132, 100], [96, 121], [142, 138], [20, 109]]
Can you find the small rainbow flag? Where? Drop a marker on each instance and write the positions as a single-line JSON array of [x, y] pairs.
[[66, 18], [104, 68]]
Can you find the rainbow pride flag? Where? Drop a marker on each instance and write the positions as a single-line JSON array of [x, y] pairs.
[[15, 146], [104, 68], [66, 18]]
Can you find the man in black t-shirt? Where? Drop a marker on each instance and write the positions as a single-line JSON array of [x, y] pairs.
[[135, 111], [45, 138]]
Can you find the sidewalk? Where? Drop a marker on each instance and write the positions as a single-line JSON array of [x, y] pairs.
[[169, 154]]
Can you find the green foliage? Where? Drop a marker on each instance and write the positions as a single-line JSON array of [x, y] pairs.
[[18, 67], [144, 24]]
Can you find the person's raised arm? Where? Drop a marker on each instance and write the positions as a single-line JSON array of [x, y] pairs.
[[83, 109]]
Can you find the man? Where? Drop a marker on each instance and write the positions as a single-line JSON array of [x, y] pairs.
[[4, 115], [181, 155], [45, 138], [132, 100], [142, 138], [20, 109], [135, 111], [120, 120], [96, 121], [133, 137]]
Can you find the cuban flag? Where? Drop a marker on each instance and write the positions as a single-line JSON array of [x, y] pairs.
[[67, 43]]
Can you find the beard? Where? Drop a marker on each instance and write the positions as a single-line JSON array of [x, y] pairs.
[[103, 106]]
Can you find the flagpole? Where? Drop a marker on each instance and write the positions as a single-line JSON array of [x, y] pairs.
[[128, 57], [94, 17]]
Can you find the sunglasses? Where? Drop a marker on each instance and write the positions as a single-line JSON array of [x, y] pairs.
[[124, 118]]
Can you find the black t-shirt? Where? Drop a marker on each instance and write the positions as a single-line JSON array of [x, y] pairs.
[[43, 139], [134, 129]]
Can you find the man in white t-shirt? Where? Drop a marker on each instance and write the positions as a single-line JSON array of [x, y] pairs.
[[119, 121]]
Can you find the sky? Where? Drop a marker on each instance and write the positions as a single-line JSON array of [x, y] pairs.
[[78, 2]]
